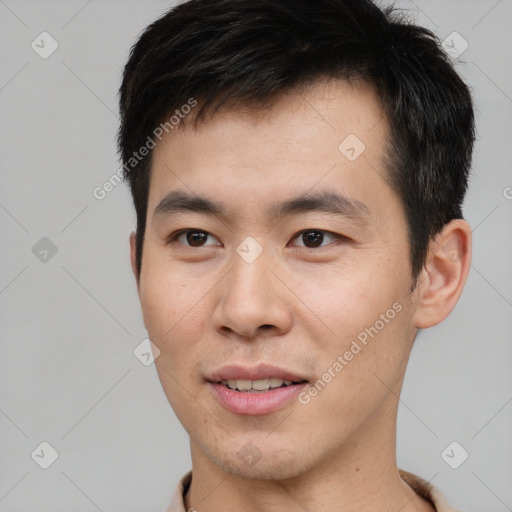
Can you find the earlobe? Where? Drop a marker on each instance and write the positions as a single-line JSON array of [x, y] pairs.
[[444, 274], [133, 258]]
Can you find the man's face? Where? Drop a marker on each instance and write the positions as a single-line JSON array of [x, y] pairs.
[[325, 285]]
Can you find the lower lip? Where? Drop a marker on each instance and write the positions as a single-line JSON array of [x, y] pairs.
[[253, 404]]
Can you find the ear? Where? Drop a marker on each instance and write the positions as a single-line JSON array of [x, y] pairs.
[[444, 274], [133, 258]]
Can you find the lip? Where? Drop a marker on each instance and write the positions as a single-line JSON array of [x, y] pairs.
[[262, 371], [253, 404]]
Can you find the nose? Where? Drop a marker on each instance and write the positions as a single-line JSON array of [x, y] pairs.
[[252, 301]]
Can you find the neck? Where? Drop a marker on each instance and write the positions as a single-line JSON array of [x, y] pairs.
[[361, 474]]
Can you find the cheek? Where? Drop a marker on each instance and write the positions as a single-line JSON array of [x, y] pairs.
[[173, 310], [361, 316], [174, 318], [358, 372], [344, 301]]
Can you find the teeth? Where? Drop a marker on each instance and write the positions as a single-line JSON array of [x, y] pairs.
[[261, 384], [275, 382], [255, 385], [240, 384]]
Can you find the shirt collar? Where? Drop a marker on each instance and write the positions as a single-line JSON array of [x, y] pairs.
[[425, 489]]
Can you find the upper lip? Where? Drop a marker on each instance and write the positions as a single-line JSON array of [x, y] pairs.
[[262, 371]]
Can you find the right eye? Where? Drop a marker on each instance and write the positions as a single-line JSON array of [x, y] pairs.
[[190, 238]]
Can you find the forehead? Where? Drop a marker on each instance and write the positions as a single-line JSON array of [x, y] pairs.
[[332, 134]]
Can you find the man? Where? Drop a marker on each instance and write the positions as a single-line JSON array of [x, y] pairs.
[[297, 169]]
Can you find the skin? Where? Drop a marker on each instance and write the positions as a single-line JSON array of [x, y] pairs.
[[295, 306]]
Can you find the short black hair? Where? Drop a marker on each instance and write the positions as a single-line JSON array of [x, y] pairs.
[[209, 53]]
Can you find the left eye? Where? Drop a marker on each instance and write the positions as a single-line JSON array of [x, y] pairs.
[[312, 238]]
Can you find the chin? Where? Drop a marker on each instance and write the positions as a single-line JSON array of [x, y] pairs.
[[253, 463]]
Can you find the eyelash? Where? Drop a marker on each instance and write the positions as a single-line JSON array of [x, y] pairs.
[[174, 236]]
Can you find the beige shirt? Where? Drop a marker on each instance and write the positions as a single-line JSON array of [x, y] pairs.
[[422, 487]]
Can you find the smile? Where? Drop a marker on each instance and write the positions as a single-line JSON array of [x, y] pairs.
[[256, 386], [254, 402]]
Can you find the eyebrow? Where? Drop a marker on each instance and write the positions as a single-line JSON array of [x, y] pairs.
[[324, 201]]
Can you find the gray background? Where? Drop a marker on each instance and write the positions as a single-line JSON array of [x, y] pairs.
[[69, 324]]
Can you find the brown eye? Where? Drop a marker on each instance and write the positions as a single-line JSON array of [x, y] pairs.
[[192, 238], [196, 238], [313, 238]]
